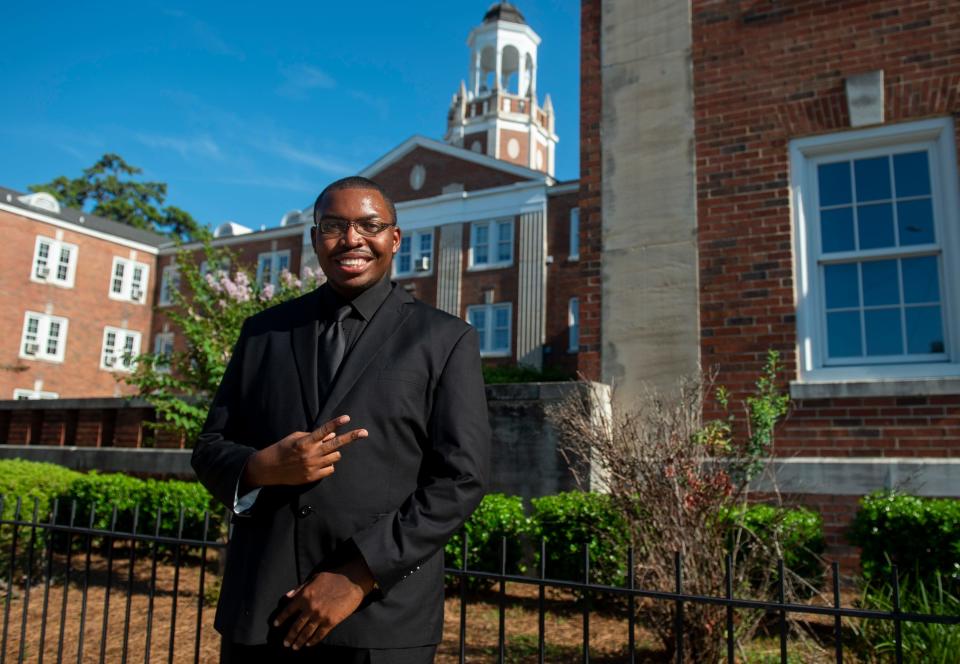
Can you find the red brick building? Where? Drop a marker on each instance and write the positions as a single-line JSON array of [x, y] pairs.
[[75, 299], [816, 152]]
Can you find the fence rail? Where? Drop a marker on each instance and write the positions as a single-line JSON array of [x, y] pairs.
[[163, 618]]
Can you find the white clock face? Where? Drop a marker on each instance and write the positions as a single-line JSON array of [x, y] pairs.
[[417, 175], [513, 148]]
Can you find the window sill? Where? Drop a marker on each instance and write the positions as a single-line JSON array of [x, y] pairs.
[[413, 275], [490, 266], [495, 354], [884, 387]]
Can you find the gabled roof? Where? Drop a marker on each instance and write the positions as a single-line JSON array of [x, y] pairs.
[[416, 141], [82, 220]]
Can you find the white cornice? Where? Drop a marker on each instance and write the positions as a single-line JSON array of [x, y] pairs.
[[82, 230], [508, 201], [457, 153]]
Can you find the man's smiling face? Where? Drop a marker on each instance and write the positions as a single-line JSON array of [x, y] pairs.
[[353, 262]]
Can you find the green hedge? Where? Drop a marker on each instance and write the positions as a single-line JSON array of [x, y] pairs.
[[34, 483], [44, 482], [103, 492], [913, 533], [568, 521], [496, 517], [799, 530]]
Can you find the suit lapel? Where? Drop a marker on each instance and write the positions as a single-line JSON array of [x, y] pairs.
[[303, 338], [382, 326]]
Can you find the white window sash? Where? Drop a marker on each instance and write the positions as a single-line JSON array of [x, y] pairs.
[[937, 139], [488, 331], [40, 340], [416, 253], [491, 247], [119, 349], [128, 280], [52, 268]]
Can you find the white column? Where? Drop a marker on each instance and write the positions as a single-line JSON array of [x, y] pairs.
[[449, 268], [531, 288]]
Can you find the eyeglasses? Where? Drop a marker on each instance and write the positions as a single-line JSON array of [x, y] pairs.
[[366, 228]]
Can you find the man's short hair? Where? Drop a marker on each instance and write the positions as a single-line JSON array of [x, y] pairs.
[[356, 182]]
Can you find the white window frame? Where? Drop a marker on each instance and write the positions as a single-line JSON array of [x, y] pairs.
[[275, 269], [493, 227], [417, 255], [937, 137], [223, 267], [128, 287], [487, 349], [51, 265], [169, 279], [574, 253], [20, 393], [42, 337], [163, 346], [118, 352], [573, 325]]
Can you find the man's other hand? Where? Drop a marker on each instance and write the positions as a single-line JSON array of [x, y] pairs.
[[300, 457], [323, 602]]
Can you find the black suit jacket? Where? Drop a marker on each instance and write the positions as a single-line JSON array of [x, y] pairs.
[[413, 381]]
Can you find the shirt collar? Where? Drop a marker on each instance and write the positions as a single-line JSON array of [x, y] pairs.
[[365, 304]]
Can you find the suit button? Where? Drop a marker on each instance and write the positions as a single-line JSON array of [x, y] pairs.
[[305, 511]]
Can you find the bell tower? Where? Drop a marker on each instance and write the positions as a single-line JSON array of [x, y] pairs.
[[496, 112]]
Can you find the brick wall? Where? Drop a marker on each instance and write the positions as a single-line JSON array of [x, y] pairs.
[[86, 306], [766, 73], [591, 240]]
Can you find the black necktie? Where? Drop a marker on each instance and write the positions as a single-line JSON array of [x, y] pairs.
[[332, 347]]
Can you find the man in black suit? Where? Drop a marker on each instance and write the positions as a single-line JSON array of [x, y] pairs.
[[344, 566]]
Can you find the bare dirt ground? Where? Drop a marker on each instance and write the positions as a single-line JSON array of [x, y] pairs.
[[127, 625]]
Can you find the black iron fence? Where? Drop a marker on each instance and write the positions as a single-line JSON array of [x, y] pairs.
[[78, 593]]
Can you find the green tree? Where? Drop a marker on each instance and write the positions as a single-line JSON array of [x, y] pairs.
[[108, 189], [207, 313]]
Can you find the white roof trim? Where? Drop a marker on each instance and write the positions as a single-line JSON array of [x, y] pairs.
[[82, 230], [457, 153], [255, 236]]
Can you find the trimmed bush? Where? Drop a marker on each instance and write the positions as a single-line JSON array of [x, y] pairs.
[[103, 492], [568, 521], [33, 482], [496, 517], [521, 373], [799, 531], [913, 533]]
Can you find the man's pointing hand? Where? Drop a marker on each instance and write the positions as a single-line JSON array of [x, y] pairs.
[[300, 457]]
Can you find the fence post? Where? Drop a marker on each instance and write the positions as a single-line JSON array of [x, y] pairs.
[[678, 582]]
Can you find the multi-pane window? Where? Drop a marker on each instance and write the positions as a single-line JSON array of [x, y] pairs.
[[878, 248], [163, 349], [54, 262], [270, 265], [44, 337], [493, 324], [574, 253], [169, 282], [128, 280], [415, 253], [880, 259], [491, 243], [120, 349], [573, 325]]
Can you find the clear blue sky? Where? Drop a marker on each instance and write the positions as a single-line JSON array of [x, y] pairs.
[[246, 109]]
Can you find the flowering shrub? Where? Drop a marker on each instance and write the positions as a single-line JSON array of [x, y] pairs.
[[207, 314]]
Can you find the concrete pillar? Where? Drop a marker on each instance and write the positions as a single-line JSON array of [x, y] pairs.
[[531, 287], [450, 268]]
